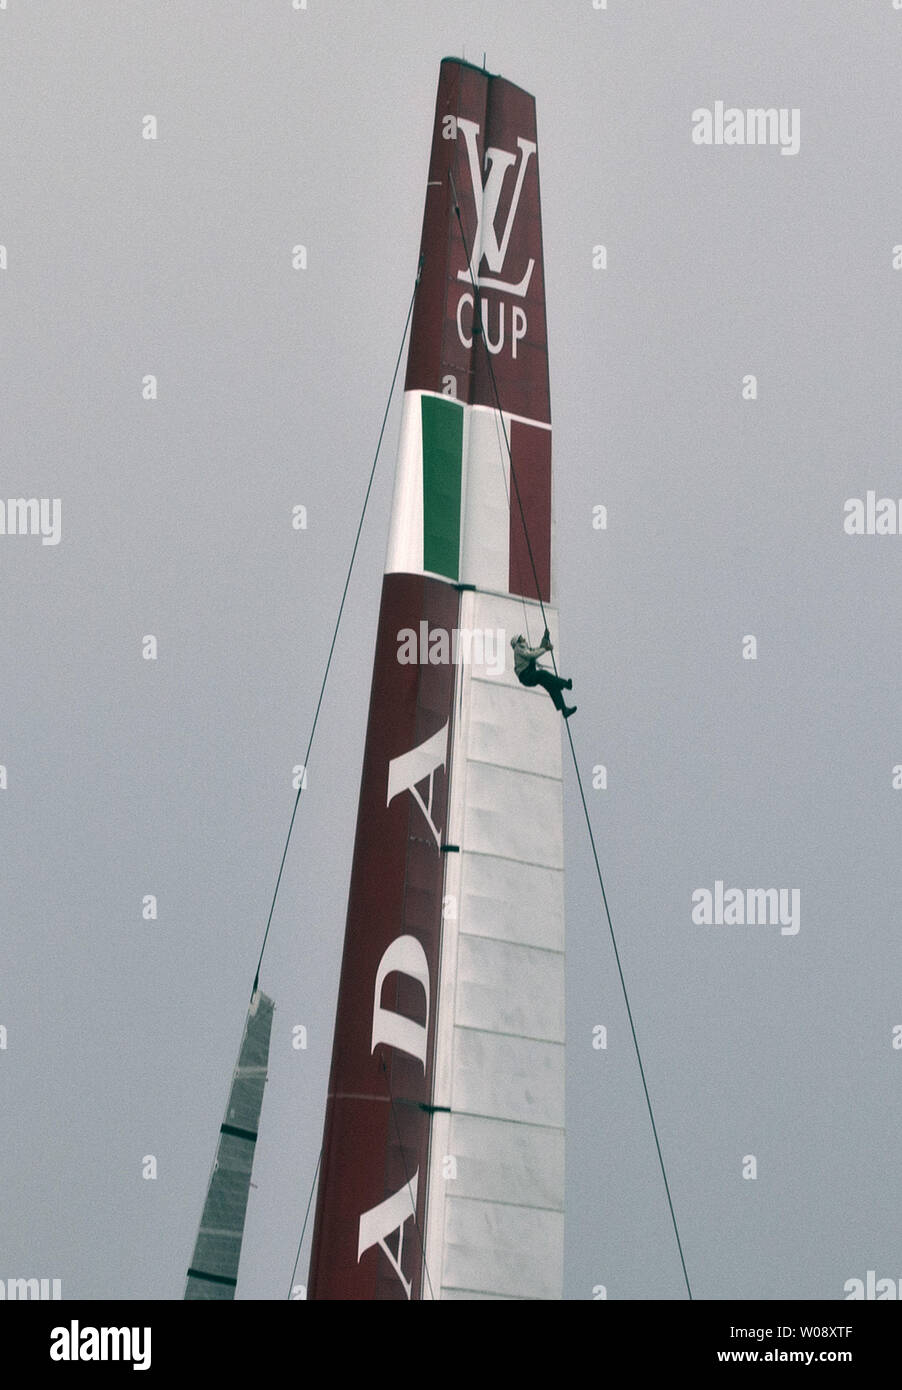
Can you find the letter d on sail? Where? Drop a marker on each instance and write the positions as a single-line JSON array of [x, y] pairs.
[[406, 956]]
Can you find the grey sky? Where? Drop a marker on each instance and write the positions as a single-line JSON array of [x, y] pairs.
[[128, 777]]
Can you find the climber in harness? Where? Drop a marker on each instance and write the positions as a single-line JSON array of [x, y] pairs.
[[529, 673]]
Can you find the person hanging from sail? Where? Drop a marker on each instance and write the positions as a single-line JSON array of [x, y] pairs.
[[528, 672]]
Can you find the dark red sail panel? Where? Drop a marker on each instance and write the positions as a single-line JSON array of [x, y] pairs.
[[366, 1244], [484, 148]]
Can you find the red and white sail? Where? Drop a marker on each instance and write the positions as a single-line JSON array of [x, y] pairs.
[[443, 1162]]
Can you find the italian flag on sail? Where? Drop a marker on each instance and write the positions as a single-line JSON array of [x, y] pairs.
[[457, 513]]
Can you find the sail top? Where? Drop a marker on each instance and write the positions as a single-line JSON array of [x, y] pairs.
[[473, 487], [486, 242]]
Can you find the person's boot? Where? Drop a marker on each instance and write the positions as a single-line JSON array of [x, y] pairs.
[[568, 710]]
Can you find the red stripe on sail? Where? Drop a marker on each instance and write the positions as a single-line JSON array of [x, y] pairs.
[[531, 467], [436, 350], [396, 892], [522, 380]]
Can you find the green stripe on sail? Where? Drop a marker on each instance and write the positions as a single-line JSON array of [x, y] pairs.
[[443, 432]]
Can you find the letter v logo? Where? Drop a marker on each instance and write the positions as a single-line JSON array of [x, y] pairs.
[[485, 242]]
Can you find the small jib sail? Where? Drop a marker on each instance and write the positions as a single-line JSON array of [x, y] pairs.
[[443, 1154], [214, 1265]]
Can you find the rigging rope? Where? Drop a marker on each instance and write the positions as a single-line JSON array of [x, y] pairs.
[[341, 606], [478, 331], [322, 691], [304, 1227]]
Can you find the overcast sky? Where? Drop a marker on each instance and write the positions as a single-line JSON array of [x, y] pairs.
[[126, 257]]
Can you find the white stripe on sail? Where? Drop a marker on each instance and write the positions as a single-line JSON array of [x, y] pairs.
[[485, 559], [405, 536]]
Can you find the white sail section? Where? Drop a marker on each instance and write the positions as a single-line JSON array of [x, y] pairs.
[[497, 1153], [214, 1264]]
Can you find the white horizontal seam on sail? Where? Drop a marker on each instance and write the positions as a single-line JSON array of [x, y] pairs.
[[485, 409]]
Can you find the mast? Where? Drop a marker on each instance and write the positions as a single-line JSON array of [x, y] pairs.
[[442, 1171]]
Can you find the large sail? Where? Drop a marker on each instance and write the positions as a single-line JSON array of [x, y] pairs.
[[214, 1265], [442, 1170]]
